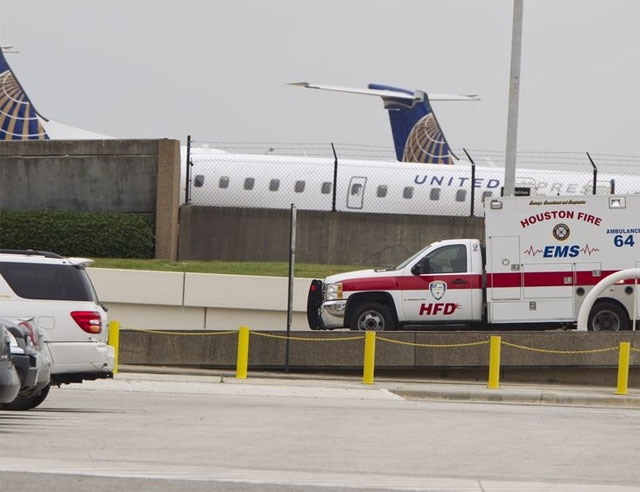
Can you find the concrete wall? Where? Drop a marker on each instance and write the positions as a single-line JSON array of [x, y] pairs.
[[131, 176], [235, 234]]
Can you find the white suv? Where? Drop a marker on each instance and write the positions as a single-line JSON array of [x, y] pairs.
[[57, 293]]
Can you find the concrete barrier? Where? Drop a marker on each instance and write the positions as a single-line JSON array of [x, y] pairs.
[[196, 301], [442, 354]]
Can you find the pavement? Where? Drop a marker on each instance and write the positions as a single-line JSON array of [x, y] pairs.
[[412, 388]]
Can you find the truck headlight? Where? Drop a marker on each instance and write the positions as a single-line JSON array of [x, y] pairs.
[[333, 292]]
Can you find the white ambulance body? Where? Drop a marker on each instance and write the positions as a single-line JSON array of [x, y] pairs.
[[545, 254], [542, 257]]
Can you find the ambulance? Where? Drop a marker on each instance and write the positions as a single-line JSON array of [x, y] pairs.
[[540, 258]]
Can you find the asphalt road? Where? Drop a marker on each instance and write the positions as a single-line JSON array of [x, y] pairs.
[[196, 433]]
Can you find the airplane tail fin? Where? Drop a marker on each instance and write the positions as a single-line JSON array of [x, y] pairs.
[[19, 119], [416, 132]]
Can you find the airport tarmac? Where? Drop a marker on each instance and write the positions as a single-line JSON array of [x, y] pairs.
[[175, 429]]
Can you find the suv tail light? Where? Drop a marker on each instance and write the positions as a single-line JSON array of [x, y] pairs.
[[89, 321]]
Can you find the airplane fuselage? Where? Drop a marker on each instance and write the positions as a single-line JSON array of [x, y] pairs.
[[261, 181]]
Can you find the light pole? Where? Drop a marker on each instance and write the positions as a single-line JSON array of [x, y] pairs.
[[514, 92]]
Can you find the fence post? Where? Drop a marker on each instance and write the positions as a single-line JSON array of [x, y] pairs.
[[188, 164], [494, 363], [335, 178], [292, 265], [473, 182], [114, 341], [243, 353], [595, 174], [369, 357], [623, 368]]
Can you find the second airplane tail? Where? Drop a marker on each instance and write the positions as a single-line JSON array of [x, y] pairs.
[[417, 135]]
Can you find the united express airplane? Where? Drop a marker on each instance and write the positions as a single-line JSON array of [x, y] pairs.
[[428, 180]]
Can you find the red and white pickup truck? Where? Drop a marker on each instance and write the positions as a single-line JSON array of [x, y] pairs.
[[542, 257]]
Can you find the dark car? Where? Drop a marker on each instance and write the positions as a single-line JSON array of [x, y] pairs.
[[31, 359], [9, 381]]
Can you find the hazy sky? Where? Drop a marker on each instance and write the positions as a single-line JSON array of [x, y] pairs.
[[217, 69]]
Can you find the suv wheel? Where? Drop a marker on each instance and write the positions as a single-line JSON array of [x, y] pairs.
[[27, 402]]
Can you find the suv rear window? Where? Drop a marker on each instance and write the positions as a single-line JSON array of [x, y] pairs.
[[52, 282]]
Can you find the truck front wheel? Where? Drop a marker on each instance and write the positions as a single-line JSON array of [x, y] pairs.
[[372, 317], [607, 316]]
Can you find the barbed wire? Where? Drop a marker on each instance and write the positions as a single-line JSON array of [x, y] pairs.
[[365, 151]]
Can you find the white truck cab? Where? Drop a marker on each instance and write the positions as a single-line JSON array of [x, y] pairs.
[[542, 257]]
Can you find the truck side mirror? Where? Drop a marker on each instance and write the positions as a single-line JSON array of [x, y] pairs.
[[421, 268]]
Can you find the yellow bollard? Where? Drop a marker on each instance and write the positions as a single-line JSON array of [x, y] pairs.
[[369, 357], [114, 341], [243, 353], [623, 369], [494, 363]]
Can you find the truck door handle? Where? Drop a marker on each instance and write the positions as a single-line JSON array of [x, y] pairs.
[[459, 281]]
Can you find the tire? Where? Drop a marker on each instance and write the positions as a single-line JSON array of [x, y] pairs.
[[372, 316], [607, 316], [27, 402]]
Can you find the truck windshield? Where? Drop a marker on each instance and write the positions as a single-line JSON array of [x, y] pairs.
[[411, 258]]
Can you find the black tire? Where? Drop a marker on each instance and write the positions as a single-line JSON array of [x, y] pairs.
[[607, 316], [372, 316], [27, 402]]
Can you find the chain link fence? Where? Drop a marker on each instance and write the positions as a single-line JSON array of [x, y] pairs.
[[368, 179]]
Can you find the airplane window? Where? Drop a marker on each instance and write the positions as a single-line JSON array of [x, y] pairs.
[[274, 185], [326, 188], [356, 188], [382, 191], [299, 187], [486, 194], [224, 182], [407, 192], [461, 195], [198, 180], [248, 183], [434, 194]]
